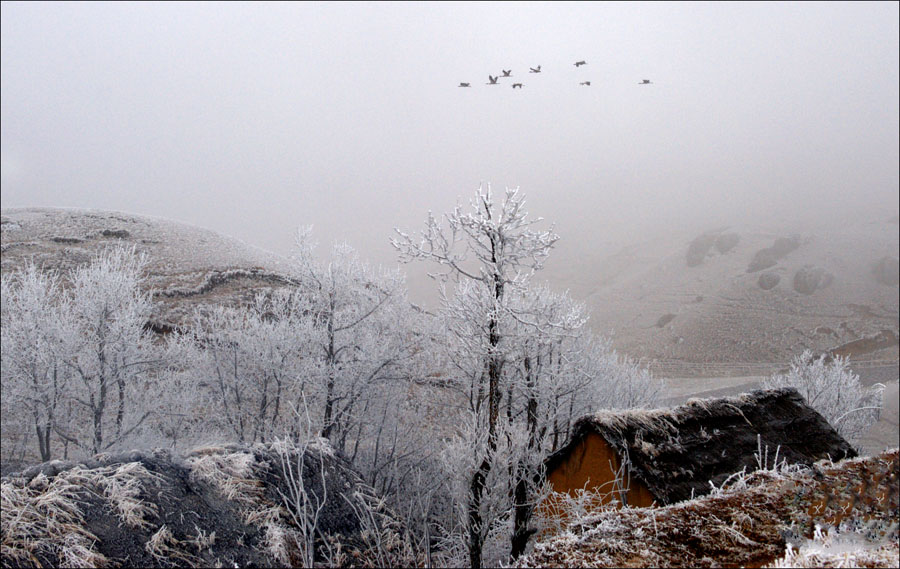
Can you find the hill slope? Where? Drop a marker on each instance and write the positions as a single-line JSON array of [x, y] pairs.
[[187, 265], [740, 294], [675, 298]]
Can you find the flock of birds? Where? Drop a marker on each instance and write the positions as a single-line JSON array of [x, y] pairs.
[[493, 79]]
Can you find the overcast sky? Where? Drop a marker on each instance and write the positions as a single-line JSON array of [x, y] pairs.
[[253, 119]]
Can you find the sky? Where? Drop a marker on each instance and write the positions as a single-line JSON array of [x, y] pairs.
[[253, 119]]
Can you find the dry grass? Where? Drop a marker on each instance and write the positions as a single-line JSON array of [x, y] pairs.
[[234, 475], [163, 546], [230, 473], [203, 540], [41, 521], [122, 487]]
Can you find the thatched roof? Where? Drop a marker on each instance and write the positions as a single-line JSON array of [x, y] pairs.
[[677, 452]]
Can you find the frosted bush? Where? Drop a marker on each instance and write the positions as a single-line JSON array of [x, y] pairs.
[[835, 391]]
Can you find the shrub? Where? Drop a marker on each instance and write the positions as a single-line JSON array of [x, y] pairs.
[[832, 389]]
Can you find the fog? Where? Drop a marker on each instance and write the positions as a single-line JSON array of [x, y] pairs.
[[252, 119]]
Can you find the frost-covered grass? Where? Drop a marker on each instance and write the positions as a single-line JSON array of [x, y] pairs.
[[774, 515], [218, 505], [43, 518], [122, 486], [235, 476], [841, 548], [231, 473]]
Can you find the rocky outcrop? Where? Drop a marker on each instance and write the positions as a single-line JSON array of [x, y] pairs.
[[768, 281], [699, 248], [770, 256], [726, 242], [664, 319], [116, 233], [887, 271], [809, 279]]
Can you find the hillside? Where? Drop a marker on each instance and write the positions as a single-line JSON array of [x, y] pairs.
[[187, 265], [742, 295]]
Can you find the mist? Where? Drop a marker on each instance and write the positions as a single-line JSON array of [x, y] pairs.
[[252, 119]]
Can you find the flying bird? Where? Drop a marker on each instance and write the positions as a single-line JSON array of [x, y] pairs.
[[580, 63], [464, 85], [519, 85], [506, 72], [535, 69], [586, 83], [645, 82], [492, 79]]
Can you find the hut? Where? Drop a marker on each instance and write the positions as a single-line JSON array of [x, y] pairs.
[[647, 457]]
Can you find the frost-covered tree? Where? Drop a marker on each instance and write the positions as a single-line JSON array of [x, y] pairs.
[[108, 350], [832, 389], [34, 376], [76, 352], [360, 334], [520, 358], [490, 251], [250, 358]]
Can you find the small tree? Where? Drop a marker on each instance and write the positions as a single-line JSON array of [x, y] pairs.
[[77, 354], [832, 389], [109, 351], [360, 335], [251, 357], [34, 377]]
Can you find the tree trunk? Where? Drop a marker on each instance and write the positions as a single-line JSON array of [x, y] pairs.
[[522, 505], [476, 490], [331, 363], [522, 512]]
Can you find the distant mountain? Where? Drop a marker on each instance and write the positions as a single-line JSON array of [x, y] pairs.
[[188, 265], [739, 294]]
